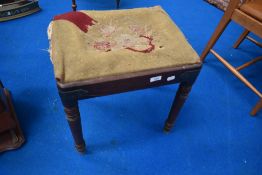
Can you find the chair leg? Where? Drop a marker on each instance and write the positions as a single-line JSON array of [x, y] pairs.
[[74, 5], [256, 108], [117, 4], [181, 96], [74, 121], [241, 38], [249, 63], [218, 32]]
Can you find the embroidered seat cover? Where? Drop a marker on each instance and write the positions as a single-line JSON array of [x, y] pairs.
[[92, 44]]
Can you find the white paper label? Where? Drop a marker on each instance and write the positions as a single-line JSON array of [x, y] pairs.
[[171, 78], [153, 79]]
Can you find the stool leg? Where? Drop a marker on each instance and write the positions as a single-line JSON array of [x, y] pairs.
[[74, 121], [181, 96], [117, 4]]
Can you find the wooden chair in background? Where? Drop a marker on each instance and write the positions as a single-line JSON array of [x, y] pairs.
[[248, 15], [74, 6]]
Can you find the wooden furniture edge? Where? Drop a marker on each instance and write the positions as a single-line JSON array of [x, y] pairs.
[[128, 75]]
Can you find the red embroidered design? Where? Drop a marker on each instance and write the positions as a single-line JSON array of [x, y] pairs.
[[148, 50], [80, 19], [103, 45], [136, 38]]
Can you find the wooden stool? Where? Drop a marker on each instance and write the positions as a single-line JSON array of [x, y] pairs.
[[97, 57]]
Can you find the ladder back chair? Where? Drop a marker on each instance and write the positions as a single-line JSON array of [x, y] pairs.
[[248, 15]]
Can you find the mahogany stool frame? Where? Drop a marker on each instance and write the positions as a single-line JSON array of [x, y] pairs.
[[71, 93]]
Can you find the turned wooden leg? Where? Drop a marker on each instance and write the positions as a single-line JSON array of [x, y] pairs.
[[117, 4], [241, 38], [256, 108], [216, 35], [74, 5], [74, 121], [181, 96]]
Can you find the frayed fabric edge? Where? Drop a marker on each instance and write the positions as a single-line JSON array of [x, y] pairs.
[[49, 34]]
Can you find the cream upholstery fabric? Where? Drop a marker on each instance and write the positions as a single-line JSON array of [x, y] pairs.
[[117, 42]]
